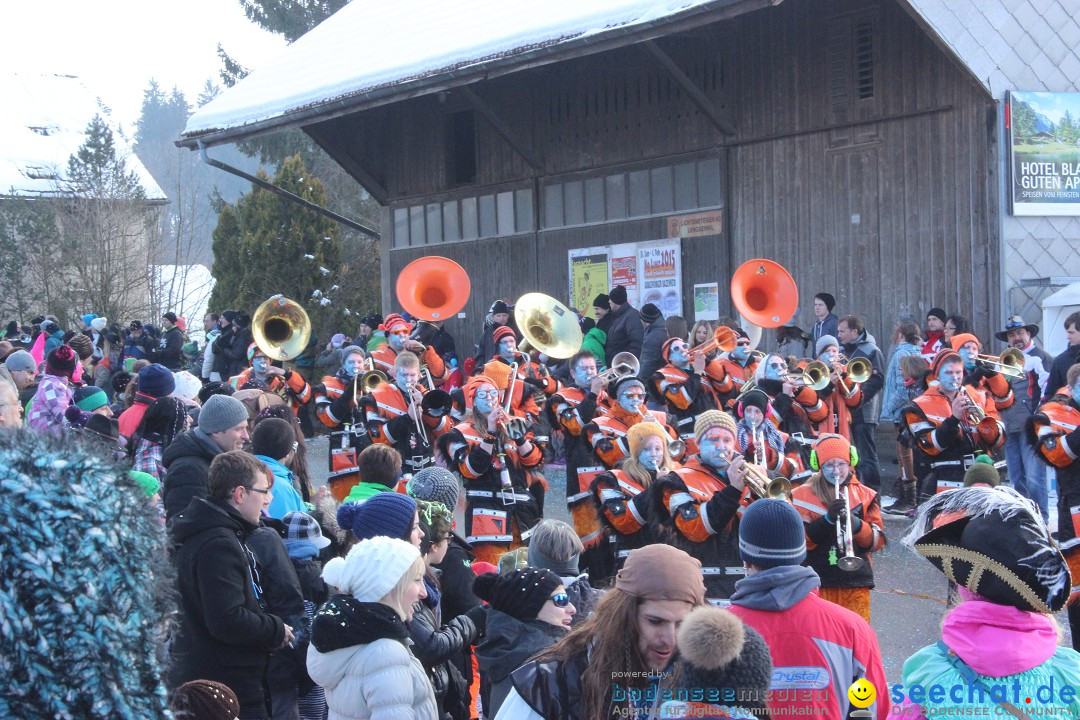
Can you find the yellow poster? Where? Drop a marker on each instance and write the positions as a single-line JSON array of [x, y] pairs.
[[589, 272]]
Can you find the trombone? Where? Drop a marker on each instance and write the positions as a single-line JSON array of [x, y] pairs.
[[624, 364], [723, 339], [844, 540], [365, 384], [1010, 363]]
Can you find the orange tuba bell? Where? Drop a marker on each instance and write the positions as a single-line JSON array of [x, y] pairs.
[[764, 292], [433, 288]]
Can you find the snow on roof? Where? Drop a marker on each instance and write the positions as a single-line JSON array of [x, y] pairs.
[[370, 45], [43, 124]]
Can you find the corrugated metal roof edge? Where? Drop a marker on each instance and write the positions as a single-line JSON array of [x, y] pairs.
[[482, 69]]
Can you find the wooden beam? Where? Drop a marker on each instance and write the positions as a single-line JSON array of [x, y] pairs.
[[719, 119], [328, 140], [489, 114]]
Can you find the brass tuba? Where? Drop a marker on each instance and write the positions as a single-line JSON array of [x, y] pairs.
[[281, 328], [547, 325]]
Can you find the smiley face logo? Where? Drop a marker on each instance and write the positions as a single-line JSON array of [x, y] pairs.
[[862, 693]]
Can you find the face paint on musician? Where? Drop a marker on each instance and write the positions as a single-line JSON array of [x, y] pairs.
[[584, 372], [406, 378], [753, 415], [775, 368], [260, 365], [679, 355], [836, 470], [485, 399], [353, 365], [829, 355], [716, 447], [632, 398], [397, 339], [968, 351], [507, 348], [741, 351], [652, 452], [950, 376]]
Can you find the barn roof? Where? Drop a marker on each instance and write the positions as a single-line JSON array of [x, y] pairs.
[[43, 124], [373, 52]]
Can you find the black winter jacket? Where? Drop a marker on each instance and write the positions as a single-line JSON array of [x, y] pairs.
[[507, 644], [553, 688], [456, 579], [436, 648], [170, 349], [187, 463], [655, 335], [225, 633], [625, 334]]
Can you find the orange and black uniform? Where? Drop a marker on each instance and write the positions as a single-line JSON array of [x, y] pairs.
[[1055, 432], [796, 414], [950, 444], [740, 374], [838, 405], [623, 505], [688, 394], [523, 402], [993, 384], [606, 434], [291, 386], [571, 409], [495, 520], [698, 511], [334, 408], [823, 552], [386, 416]]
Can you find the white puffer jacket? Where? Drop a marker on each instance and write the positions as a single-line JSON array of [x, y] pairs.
[[378, 681]]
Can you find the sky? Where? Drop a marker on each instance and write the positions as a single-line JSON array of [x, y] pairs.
[[117, 46]]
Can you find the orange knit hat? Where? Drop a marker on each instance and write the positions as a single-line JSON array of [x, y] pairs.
[[832, 447], [958, 341]]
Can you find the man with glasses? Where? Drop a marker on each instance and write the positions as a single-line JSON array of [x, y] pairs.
[[740, 365], [689, 384], [224, 634], [792, 405], [11, 411]]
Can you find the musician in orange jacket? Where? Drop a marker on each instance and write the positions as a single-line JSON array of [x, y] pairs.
[[504, 488], [396, 414], [1054, 429], [951, 424], [398, 337], [740, 365], [336, 409], [840, 396], [846, 578], [689, 384], [977, 375], [290, 385], [606, 434], [697, 507], [758, 439], [796, 405], [531, 376]]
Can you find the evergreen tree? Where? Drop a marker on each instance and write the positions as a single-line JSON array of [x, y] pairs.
[[1067, 130], [1023, 121], [28, 236], [290, 18]]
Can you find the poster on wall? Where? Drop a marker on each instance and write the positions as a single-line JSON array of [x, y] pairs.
[[659, 267], [1044, 139], [624, 270], [589, 273], [706, 301]]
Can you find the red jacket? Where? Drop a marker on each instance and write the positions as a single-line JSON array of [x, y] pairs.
[[803, 672]]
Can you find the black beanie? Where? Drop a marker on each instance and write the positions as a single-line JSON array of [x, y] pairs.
[[938, 313], [520, 594], [717, 650], [829, 300], [650, 313], [586, 324], [499, 307], [756, 398], [618, 295], [601, 301]]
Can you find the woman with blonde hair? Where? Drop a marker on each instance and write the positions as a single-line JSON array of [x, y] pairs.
[[359, 641], [702, 332]]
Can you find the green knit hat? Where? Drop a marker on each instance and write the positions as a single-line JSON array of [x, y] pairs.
[[89, 399], [146, 482], [982, 471]]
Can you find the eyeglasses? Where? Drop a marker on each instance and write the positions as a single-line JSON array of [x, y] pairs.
[[488, 394], [561, 600], [634, 395], [265, 491]]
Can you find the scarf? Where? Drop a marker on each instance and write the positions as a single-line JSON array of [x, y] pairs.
[[434, 595], [772, 437], [301, 550], [345, 622]]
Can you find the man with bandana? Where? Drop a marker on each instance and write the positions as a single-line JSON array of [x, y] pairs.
[[395, 415], [606, 434], [689, 384], [951, 424], [571, 409], [290, 385], [1055, 431], [504, 489], [531, 377], [996, 385], [398, 339], [795, 406], [739, 365], [699, 504], [335, 408], [822, 507]]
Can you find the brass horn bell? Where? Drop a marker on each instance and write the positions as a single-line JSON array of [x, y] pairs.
[[548, 325], [281, 328]]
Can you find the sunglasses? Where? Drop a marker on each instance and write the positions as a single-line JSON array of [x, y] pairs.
[[561, 600], [489, 394]]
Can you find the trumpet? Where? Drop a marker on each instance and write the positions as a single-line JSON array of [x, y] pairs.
[[762, 487], [622, 365], [844, 540], [1010, 363], [975, 414]]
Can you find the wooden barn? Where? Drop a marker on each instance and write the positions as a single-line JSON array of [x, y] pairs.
[[841, 138]]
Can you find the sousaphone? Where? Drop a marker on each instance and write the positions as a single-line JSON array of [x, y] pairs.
[[764, 293], [433, 288], [548, 325], [281, 328]]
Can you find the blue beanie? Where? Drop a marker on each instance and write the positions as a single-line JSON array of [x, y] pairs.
[[156, 380], [771, 534], [387, 514], [89, 318]]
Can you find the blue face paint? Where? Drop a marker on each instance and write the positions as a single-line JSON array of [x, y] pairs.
[[406, 378], [835, 471], [631, 399], [968, 357], [652, 453], [584, 373], [775, 368], [950, 376], [260, 365], [741, 352], [353, 365], [715, 449], [397, 340], [485, 399], [679, 356], [507, 348]]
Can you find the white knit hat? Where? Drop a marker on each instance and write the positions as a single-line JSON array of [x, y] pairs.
[[372, 568]]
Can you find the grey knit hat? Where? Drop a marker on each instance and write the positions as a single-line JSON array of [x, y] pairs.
[[823, 342], [771, 534], [221, 412], [435, 484]]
